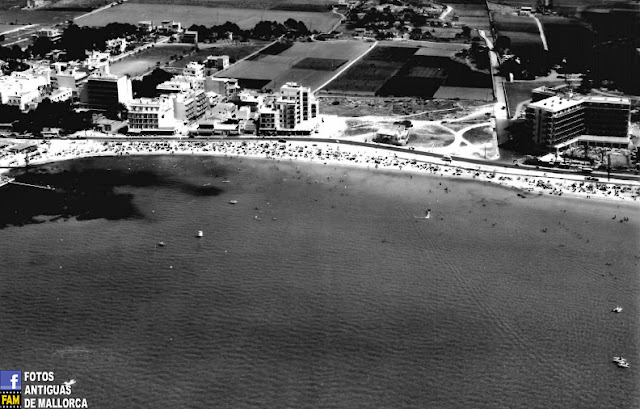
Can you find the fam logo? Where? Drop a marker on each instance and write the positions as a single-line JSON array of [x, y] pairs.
[[10, 389]]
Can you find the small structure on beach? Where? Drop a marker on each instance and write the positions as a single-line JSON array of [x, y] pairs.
[[392, 134]]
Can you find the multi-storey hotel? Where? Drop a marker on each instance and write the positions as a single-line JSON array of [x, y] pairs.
[[294, 110], [105, 90], [152, 114], [558, 122]]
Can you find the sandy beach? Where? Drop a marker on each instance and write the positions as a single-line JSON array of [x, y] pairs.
[[526, 182]]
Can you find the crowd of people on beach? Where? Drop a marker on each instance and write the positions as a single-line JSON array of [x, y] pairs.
[[333, 153]]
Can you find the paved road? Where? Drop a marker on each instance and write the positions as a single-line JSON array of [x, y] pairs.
[[501, 109]]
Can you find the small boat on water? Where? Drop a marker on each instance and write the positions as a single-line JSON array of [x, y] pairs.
[[226, 181], [617, 309], [233, 201], [161, 243], [200, 233], [621, 362]]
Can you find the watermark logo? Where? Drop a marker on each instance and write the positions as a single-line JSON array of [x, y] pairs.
[[10, 389]]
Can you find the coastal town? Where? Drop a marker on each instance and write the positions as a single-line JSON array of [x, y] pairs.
[[320, 203], [56, 88]]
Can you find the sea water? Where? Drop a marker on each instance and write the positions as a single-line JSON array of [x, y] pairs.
[[323, 287]]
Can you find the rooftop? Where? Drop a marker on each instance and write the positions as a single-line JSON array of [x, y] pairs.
[[555, 104]]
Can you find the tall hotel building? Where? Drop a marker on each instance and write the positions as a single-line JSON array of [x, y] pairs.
[[103, 90], [295, 106], [556, 121]]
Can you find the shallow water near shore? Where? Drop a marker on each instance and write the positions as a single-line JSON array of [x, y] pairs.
[[323, 287]]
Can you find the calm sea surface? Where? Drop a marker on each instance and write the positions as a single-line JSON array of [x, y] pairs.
[[322, 287]]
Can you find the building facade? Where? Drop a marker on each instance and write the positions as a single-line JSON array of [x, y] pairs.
[[555, 121], [104, 90], [151, 114]]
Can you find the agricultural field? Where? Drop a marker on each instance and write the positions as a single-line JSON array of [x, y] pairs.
[[235, 52], [38, 16], [466, 93], [292, 64], [78, 4], [188, 15], [369, 74], [291, 5], [568, 38], [8, 27], [148, 59], [473, 15], [520, 24], [410, 71], [7, 4]]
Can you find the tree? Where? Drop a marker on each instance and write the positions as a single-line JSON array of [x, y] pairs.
[[466, 31]]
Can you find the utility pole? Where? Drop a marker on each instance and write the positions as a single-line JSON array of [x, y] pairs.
[[609, 166]]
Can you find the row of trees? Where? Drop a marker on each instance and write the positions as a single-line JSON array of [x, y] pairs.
[[77, 40], [263, 30], [47, 115]]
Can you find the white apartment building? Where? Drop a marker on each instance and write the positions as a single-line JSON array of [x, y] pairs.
[[181, 83], [215, 63], [221, 86], [189, 105], [193, 69], [22, 88], [294, 110], [61, 94], [116, 45], [104, 90], [69, 78], [297, 106], [152, 114], [52, 34], [98, 60]]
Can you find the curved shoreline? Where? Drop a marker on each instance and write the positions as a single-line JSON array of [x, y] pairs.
[[522, 180]]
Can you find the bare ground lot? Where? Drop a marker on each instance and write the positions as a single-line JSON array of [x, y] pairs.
[[406, 108], [281, 68], [149, 59], [188, 15], [430, 136], [478, 135]]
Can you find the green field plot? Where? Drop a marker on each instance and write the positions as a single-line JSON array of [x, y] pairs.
[[369, 74], [421, 76], [520, 24], [524, 41], [38, 16], [391, 54], [291, 5], [569, 39], [465, 93], [188, 15], [290, 65], [322, 64]]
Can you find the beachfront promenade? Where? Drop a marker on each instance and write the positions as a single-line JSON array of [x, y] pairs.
[[344, 153]]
